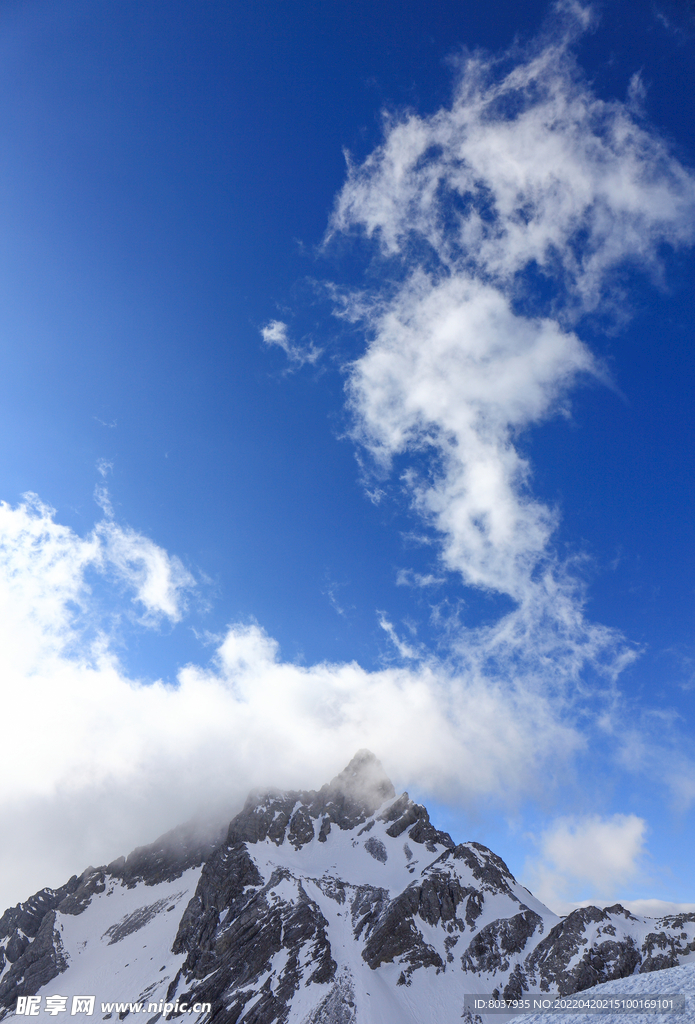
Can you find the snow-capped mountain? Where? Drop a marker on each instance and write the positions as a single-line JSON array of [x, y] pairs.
[[330, 907]]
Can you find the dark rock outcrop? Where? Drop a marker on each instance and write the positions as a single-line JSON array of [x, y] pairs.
[[493, 948], [40, 962]]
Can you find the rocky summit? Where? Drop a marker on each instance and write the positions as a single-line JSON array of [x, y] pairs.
[[333, 906]]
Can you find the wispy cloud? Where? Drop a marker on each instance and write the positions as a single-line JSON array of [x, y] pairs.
[[526, 169], [526, 175], [331, 589], [103, 499], [101, 491], [275, 332], [408, 578], [405, 650], [159, 580], [636, 93], [676, 16]]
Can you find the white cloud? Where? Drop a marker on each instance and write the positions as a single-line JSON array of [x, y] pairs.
[[275, 332], [103, 498], [636, 93], [453, 374], [527, 172], [599, 853], [160, 580], [527, 166], [602, 851], [44, 566], [101, 762], [453, 371]]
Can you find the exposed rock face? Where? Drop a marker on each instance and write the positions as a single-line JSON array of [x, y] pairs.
[[310, 906], [236, 953], [39, 962], [32, 953], [493, 947], [591, 946]]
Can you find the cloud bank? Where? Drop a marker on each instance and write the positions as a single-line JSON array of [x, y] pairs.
[[101, 761]]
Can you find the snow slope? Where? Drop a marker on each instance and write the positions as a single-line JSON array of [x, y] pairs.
[[670, 981]]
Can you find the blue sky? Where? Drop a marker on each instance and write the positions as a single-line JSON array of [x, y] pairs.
[[347, 350]]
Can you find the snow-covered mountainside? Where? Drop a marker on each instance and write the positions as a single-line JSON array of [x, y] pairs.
[[330, 907]]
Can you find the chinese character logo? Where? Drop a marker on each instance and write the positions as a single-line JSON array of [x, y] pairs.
[[83, 1004], [56, 1004], [28, 1005]]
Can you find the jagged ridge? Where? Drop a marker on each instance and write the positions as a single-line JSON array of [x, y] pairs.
[[287, 914]]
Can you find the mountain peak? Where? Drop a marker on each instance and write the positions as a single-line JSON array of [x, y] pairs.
[[363, 782]]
